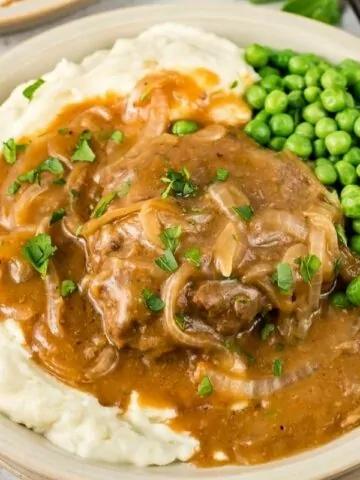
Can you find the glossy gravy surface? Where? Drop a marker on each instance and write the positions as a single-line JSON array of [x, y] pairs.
[[103, 338]]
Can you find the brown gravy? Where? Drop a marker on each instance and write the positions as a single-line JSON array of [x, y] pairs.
[[109, 347]]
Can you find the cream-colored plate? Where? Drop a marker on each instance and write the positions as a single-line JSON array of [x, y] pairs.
[[32, 454], [21, 14]]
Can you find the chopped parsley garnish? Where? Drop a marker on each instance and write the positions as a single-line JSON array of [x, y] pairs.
[[83, 151], [170, 238], [278, 367], [63, 131], [222, 174], [57, 215], [117, 136], [234, 84], [266, 331], [180, 320], [152, 301], [205, 387], [67, 288], [14, 188], [179, 184], [309, 266], [60, 181], [244, 211], [74, 193], [31, 89], [38, 251], [104, 202], [193, 255], [21, 147], [167, 261], [341, 234], [145, 96], [283, 278], [51, 165], [9, 151]]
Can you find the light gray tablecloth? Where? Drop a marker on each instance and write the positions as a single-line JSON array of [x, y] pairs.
[[350, 23]]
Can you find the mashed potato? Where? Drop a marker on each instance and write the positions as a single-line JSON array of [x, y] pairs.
[[71, 419]]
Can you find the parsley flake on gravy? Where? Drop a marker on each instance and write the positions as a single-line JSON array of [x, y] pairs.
[[83, 151], [38, 251], [167, 262], [170, 238], [283, 278], [205, 387], [244, 211], [67, 288], [152, 301], [193, 255]]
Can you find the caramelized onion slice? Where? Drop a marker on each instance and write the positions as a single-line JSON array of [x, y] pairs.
[[94, 224], [229, 247], [271, 227], [55, 303], [226, 196], [238, 387]]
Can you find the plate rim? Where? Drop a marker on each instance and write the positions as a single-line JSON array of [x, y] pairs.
[[94, 20]]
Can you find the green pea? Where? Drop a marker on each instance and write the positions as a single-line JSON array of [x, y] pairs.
[[325, 126], [296, 99], [339, 300], [319, 148], [282, 125], [351, 206], [324, 65], [312, 77], [333, 99], [356, 91], [306, 129], [313, 112], [353, 156], [358, 171], [299, 145], [350, 102], [355, 244], [271, 82], [347, 118], [184, 127], [334, 158], [357, 127], [350, 191], [294, 82], [262, 116], [266, 71], [356, 226], [351, 70], [353, 291], [296, 114], [255, 96], [322, 161], [346, 172], [326, 173], [281, 58], [312, 94], [261, 133], [276, 102], [338, 143], [257, 55], [277, 143], [299, 64], [333, 78]]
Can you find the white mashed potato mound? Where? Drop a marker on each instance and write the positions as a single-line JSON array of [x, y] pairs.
[[165, 46], [76, 422], [69, 418]]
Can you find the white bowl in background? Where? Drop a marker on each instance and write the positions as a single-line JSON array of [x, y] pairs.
[[33, 456]]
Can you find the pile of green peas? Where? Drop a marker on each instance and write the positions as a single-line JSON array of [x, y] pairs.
[[305, 104]]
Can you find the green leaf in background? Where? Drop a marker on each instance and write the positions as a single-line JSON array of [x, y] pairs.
[[327, 11], [262, 2]]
